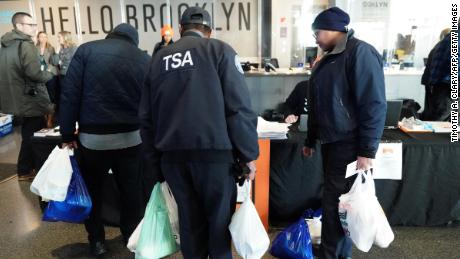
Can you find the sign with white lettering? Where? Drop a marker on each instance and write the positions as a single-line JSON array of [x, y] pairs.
[[235, 21], [368, 10]]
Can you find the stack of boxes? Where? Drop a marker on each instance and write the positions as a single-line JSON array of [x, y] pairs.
[[6, 124]]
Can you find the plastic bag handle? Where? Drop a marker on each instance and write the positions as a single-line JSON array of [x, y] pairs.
[[69, 150], [247, 194], [369, 181]]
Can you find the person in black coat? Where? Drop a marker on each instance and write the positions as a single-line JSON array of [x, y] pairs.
[[102, 92], [296, 102], [197, 123], [436, 79], [167, 34], [347, 109]]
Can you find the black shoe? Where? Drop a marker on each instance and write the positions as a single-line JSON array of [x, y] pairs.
[[98, 248]]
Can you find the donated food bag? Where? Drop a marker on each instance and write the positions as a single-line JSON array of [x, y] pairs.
[[134, 238], [314, 223], [54, 176], [384, 235], [172, 210], [248, 233], [156, 238], [361, 215], [77, 205], [356, 213], [173, 218], [294, 242]]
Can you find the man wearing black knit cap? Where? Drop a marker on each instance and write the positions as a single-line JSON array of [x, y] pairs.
[[347, 109]]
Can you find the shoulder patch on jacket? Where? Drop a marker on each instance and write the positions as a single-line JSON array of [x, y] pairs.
[[238, 64]]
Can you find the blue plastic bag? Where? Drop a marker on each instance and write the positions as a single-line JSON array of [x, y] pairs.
[[294, 242], [77, 205]]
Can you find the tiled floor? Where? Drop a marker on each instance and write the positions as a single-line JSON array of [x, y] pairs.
[[24, 235], [9, 147]]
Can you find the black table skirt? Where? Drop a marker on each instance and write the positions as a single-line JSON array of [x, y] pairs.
[[426, 195]]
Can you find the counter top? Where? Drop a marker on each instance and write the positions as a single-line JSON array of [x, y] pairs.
[[303, 72], [397, 72], [279, 72]]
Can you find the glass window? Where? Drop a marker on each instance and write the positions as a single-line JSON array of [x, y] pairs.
[[292, 35], [402, 31]]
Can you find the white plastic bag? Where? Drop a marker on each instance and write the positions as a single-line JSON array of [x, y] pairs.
[[172, 210], [384, 235], [134, 238], [173, 218], [357, 212], [53, 179], [314, 227], [248, 233]]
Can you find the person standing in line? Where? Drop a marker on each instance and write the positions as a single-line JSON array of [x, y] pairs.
[[347, 110], [102, 92], [197, 126]]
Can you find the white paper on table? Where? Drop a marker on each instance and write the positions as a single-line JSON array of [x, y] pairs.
[[440, 126], [387, 163], [272, 130]]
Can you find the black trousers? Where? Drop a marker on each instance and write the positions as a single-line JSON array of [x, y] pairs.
[[26, 158], [336, 157], [437, 103], [125, 165], [206, 198]]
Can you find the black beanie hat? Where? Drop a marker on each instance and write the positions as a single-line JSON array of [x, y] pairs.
[[332, 19]]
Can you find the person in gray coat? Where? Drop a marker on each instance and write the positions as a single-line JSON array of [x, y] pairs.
[[61, 60], [22, 89], [46, 52], [67, 50]]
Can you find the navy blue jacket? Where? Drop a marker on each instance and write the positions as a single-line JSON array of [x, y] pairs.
[[347, 98], [103, 85], [196, 105]]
